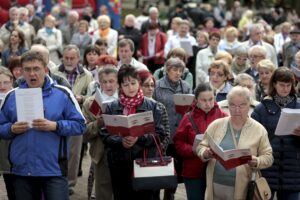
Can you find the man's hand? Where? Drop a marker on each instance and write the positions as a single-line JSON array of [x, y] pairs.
[[19, 127], [129, 141], [44, 125]]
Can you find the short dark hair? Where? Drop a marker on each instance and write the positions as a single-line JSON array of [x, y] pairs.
[[214, 34], [90, 48], [127, 71], [202, 87], [153, 26], [32, 56], [39, 40], [282, 74]]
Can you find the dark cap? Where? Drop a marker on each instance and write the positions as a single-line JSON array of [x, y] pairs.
[[295, 31]]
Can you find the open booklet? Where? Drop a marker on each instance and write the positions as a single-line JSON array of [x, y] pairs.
[[134, 125], [183, 102], [99, 104], [187, 46], [229, 158], [288, 121]]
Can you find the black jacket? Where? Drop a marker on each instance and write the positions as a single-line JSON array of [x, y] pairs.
[[117, 155]]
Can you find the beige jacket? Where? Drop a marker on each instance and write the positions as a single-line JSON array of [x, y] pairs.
[[92, 134], [253, 136], [82, 80]]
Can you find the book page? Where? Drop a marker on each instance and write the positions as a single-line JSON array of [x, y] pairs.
[[288, 121], [187, 46], [29, 104], [183, 99]]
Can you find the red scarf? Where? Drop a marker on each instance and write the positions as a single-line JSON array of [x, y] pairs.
[[130, 103]]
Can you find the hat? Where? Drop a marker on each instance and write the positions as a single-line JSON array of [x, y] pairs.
[[295, 31]]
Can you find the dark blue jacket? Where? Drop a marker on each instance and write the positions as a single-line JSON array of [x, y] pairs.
[[118, 155], [285, 171], [36, 153]]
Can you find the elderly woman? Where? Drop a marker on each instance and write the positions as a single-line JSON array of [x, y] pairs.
[[122, 151], [205, 112], [284, 175], [240, 60], [265, 70], [230, 42], [107, 33], [180, 53], [164, 92], [16, 47], [218, 78], [82, 38], [256, 54], [53, 38], [235, 132], [6, 84], [109, 92], [205, 57], [243, 80]]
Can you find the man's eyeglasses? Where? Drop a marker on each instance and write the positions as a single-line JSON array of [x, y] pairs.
[[29, 70]]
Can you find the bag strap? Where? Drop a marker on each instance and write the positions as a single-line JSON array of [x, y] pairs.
[[193, 123], [158, 149]]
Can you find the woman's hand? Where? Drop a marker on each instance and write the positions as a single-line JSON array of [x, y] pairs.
[[208, 154], [253, 162], [129, 141], [297, 131]]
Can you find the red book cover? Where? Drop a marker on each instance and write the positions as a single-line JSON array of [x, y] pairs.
[[135, 125], [183, 102]]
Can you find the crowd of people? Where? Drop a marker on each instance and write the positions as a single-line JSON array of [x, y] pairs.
[[242, 67]]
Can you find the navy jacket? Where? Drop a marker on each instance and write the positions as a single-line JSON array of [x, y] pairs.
[[285, 171]]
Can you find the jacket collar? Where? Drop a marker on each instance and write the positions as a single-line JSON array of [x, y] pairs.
[[61, 68], [47, 87]]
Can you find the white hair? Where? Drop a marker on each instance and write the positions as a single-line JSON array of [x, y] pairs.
[[74, 13], [153, 9]]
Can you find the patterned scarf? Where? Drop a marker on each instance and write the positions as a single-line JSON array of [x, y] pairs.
[[283, 101], [130, 103]]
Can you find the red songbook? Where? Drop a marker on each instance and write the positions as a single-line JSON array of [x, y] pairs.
[[229, 158], [98, 105], [183, 102], [134, 125]]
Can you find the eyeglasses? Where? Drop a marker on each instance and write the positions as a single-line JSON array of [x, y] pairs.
[[218, 74], [29, 70], [240, 107], [148, 85]]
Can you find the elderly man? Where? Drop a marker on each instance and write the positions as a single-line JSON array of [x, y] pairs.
[[128, 31], [12, 24], [256, 54], [153, 18], [71, 28], [27, 28], [256, 33], [290, 48], [79, 79], [39, 150], [183, 39], [125, 51], [34, 20]]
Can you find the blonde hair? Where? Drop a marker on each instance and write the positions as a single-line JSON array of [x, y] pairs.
[[225, 56], [220, 64], [231, 31], [104, 18], [265, 64]]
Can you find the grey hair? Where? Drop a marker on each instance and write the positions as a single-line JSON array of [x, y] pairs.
[[70, 47], [260, 49], [242, 77], [241, 50], [153, 9], [12, 9], [42, 49], [73, 13], [256, 26], [174, 62], [23, 10], [240, 92]]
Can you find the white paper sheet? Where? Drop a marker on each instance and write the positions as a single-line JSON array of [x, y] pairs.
[[29, 104], [187, 46], [289, 120]]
